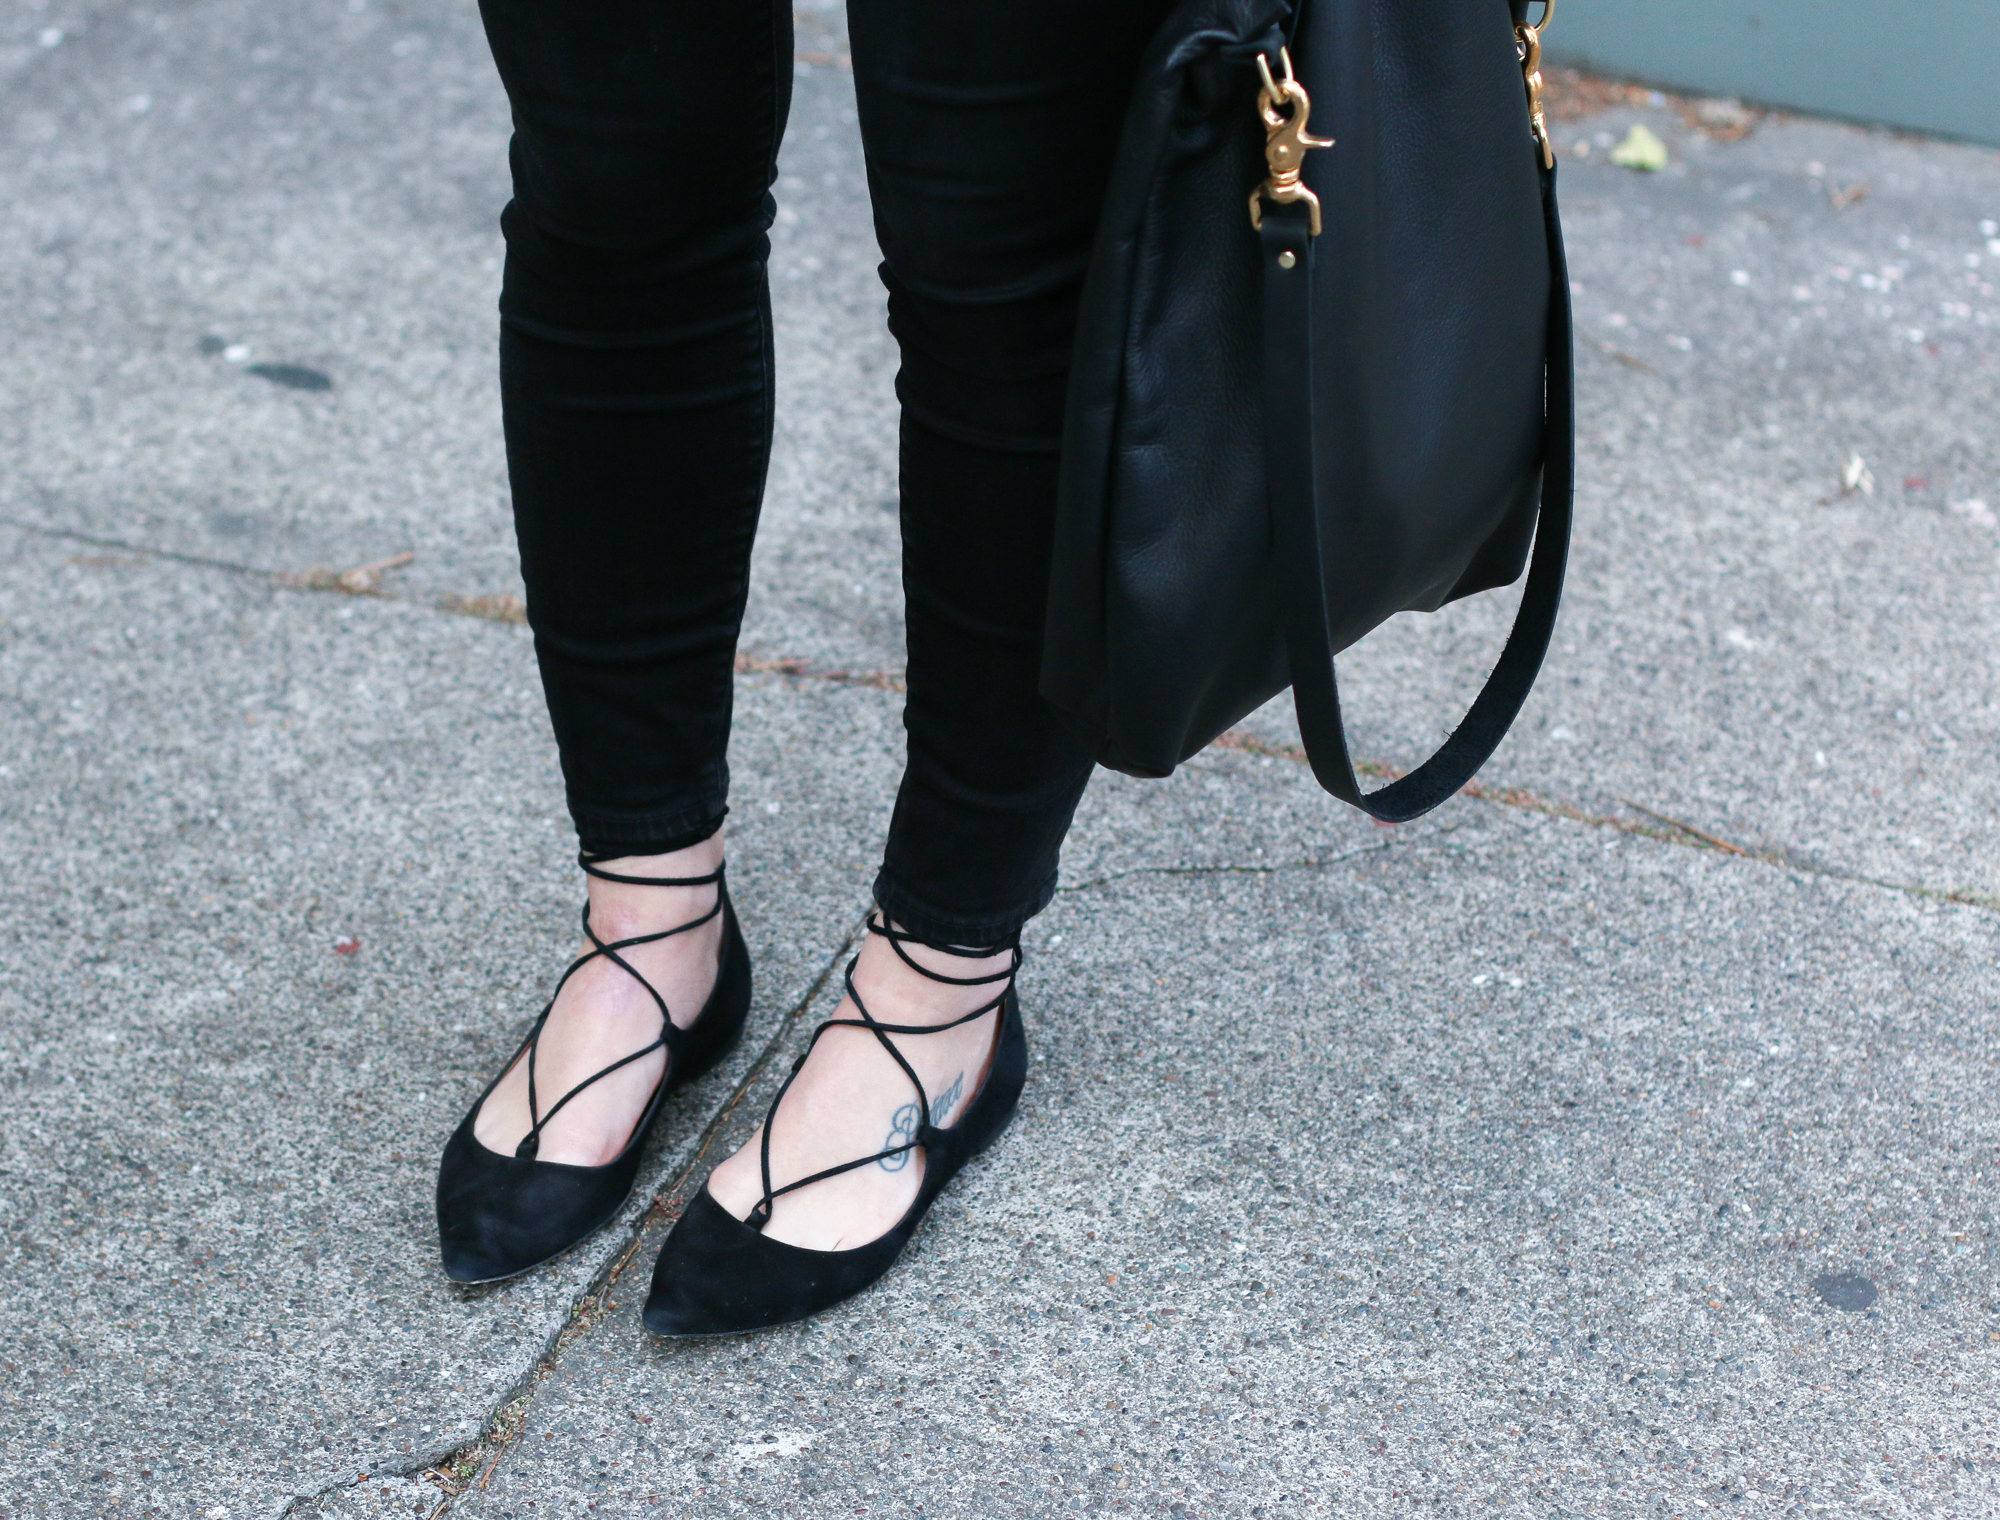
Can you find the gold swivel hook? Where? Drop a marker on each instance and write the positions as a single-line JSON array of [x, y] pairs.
[[1286, 142], [1528, 43]]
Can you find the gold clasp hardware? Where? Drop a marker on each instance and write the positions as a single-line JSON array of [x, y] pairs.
[[1528, 43], [1285, 142]]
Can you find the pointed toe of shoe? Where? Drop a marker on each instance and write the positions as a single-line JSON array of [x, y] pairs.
[[717, 1276], [471, 1261], [677, 1316], [500, 1215]]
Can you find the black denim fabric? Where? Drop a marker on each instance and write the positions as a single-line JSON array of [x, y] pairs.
[[635, 359]]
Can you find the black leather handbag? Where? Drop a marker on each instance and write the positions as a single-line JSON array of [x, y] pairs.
[[1323, 376]]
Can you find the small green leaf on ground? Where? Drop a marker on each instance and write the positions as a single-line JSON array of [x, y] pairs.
[[1640, 150]]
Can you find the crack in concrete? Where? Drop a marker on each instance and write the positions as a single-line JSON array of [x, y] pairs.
[[1225, 869], [484, 1453]]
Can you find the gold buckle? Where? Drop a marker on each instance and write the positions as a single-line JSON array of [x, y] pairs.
[[1286, 142], [1528, 43]]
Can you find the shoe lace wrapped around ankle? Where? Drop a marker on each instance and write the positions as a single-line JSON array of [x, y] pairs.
[[924, 1131], [670, 1035]]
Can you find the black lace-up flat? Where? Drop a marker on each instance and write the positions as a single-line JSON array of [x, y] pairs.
[[500, 1215], [720, 1275]]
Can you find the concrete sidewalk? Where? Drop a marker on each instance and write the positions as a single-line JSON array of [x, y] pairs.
[[1619, 1140]]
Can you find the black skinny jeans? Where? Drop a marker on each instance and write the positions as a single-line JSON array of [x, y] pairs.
[[635, 362]]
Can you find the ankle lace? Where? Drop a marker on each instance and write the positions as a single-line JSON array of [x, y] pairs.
[[670, 1036], [925, 1131]]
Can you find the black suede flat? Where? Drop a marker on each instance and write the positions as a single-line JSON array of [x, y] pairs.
[[720, 1275], [499, 1216]]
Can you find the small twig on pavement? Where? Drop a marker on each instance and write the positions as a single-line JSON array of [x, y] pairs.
[[503, 607], [364, 577], [504, 1431], [362, 580], [498, 1452]]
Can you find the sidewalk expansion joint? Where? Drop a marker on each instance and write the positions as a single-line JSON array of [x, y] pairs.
[[366, 580], [468, 1468]]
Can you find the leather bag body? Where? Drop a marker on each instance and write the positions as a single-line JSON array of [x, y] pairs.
[[1277, 440]]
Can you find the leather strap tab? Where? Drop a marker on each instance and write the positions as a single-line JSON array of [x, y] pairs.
[[1288, 413]]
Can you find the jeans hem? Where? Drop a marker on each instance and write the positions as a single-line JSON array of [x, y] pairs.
[[606, 836], [931, 926]]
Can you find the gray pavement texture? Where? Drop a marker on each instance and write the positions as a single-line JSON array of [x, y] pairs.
[[1620, 1140]]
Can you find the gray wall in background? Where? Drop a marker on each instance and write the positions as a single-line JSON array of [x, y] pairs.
[[1933, 65]]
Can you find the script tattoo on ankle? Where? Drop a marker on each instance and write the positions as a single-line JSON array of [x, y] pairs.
[[903, 1123], [942, 1106]]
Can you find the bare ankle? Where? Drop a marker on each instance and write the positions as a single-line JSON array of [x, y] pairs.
[[940, 986], [623, 909]]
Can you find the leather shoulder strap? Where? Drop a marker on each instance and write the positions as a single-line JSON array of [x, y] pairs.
[[1288, 412]]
